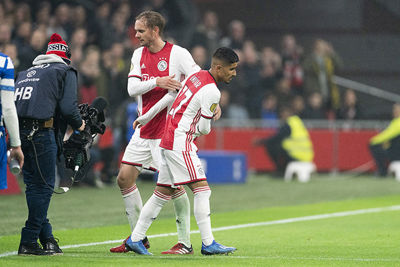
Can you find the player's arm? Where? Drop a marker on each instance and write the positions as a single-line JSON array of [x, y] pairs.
[[135, 84], [10, 117], [7, 103], [158, 107], [138, 87], [283, 132], [388, 134], [217, 113], [209, 101], [10, 112]]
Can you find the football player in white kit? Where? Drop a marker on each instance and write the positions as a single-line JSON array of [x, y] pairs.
[[156, 69], [189, 117]]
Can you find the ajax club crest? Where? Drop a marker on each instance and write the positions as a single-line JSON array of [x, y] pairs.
[[162, 65]]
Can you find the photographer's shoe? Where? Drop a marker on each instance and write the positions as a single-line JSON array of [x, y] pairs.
[[122, 248], [50, 246], [216, 248], [30, 249], [137, 247]]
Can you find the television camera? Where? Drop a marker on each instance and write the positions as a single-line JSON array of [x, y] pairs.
[[76, 148]]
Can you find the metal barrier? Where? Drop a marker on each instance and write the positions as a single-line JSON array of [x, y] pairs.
[[310, 124], [374, 91]]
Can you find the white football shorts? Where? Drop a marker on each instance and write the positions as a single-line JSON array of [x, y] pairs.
[[179, 167], [142, 153]]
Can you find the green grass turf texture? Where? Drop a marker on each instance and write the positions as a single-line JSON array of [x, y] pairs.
[[86, 215]]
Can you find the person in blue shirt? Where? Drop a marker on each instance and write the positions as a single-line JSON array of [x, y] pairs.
[[8, 118]]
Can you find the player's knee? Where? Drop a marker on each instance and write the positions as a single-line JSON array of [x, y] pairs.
[[126, 179], [122, 181]]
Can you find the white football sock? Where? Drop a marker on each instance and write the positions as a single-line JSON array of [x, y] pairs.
[[149, 213], [202, 213], [133, 204], [182, 212]]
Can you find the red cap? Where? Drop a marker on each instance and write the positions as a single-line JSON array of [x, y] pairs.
[[58, 47]]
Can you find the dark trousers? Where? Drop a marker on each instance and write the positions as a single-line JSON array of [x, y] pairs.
[[383, 156], [278, 155], [38, 194]]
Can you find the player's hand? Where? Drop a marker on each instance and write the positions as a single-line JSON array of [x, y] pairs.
[[168, 82], [135, 124], [82, 126], [16, 153], [217, 113]]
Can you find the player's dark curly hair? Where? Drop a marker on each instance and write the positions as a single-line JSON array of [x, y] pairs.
[[152, 19], [226, 55]]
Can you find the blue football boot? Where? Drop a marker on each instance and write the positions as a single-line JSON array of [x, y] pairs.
[[137, 247], [216, 248]]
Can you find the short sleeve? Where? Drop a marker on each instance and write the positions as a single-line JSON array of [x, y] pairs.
[[210, 96], [7, 74], [135, 70]]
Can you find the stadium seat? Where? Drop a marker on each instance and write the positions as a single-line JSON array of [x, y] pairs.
[[394, 168], [300, 169]]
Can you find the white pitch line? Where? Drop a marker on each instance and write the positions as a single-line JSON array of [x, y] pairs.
[[247, 225], [235, 257]]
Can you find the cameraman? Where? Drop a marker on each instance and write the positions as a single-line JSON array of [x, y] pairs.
[[46, 101]]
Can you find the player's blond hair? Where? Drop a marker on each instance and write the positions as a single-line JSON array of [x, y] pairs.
[[152, 19]]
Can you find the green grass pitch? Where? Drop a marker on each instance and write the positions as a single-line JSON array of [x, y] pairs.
[[331, 221]]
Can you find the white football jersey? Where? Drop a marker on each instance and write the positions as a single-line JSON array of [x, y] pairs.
[[198, 98], [170, 60]]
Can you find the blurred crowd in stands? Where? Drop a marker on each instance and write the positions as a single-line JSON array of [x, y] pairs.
[[100, 35]]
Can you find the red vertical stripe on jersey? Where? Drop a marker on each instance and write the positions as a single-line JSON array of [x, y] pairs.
[[192, 130], [154, 65]]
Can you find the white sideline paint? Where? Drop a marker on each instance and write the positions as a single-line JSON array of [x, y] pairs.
[[247, 225], [232, 256]]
